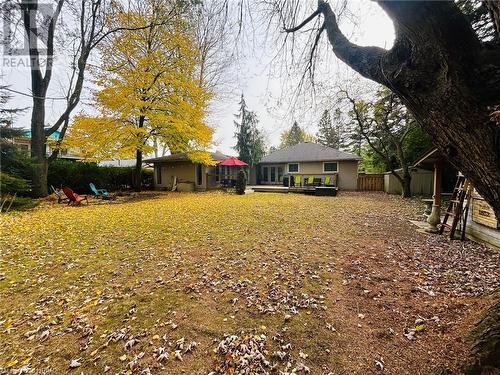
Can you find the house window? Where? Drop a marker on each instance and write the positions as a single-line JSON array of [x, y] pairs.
[[330, 167], [158, 174], [217, 173], [293, 168], [264, 174], [280, 174], [273, 174]]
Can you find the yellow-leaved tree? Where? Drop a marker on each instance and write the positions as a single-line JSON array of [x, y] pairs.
[[148, 91]]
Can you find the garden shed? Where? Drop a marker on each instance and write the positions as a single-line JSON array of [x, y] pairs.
[[421, 182]]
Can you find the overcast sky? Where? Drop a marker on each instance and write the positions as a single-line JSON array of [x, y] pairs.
[[260, 73]]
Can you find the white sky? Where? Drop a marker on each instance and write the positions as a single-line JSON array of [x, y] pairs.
[[267, 86]]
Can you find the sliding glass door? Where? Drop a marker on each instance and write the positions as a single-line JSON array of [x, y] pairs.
[[272, 174]]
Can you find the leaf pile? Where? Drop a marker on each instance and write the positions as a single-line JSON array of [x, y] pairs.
[[248, 353]]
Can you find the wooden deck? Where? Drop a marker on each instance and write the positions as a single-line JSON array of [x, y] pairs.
[[283, 189], [268, 188]]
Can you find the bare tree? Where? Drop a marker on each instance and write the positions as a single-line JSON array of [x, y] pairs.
[[385, 124], [213, 38], [91, 30], [440, 68]]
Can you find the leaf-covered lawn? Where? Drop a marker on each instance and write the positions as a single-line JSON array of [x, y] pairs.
[[212, 282]]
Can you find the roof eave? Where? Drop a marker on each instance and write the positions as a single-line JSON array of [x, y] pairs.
[[308, 161]]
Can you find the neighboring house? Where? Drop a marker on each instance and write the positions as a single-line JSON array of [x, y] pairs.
[[308, 159], [117, 163], [188, 175], [25, 143]]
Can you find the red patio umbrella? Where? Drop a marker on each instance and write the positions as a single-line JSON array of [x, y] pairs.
[[232, 161]]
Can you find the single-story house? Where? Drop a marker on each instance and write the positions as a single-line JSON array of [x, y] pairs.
[[307, 159], [179, 171]]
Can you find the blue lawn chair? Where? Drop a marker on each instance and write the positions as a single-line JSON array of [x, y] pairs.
[[99, 193]]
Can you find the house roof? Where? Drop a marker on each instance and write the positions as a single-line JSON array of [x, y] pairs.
[[54, 136], [182, 156], [308, 152], [429, 157]]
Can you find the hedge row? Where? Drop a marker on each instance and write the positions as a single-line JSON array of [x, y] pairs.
[[79, 175]]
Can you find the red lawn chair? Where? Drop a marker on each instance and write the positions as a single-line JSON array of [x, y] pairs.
[[73, 197]]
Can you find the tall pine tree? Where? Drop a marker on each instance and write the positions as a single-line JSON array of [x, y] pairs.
[[328, 134], [295, 136], [249, 140]]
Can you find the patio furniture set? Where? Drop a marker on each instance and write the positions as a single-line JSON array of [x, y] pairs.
[[313, 185], [309, 181], [66, 194]]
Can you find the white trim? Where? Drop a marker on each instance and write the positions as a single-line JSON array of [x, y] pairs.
[[330, 162], [288, 168]]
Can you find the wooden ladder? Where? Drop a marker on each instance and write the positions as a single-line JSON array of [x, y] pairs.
[[456, 208]]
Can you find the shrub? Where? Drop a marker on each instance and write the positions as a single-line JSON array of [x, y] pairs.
[[15, 162], [10, 184], [18, 204], [241, 182], [78, 176]]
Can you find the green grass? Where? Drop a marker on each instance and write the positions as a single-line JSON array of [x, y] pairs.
[[179, 258]]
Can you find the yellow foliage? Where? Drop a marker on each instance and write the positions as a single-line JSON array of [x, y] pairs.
[[147, 89]]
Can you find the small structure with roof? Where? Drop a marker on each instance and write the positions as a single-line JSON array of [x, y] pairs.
[[481, 223], [305, 161], [178, 172]]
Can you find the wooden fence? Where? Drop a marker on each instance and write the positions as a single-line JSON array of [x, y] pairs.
[[371, 182]]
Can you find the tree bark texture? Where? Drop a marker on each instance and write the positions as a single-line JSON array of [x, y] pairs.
[[485, 342], [138, 171], [138, 160], [494, 9], [446, 77], [406, 184], [38, 150]]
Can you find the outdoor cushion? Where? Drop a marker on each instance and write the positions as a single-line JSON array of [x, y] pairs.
[[328, 180], [297, 180], [310, 180]]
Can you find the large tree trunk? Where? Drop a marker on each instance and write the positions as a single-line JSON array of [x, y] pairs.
[[38, 149], [138, 160], [406, 183], [406, 174], [449, 92], [494, 9], [138, 171], [485, 342], [448, 79]]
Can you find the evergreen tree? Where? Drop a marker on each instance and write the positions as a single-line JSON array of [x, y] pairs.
[[241, 182], [7, 115], [249, 140], [15, 163], [295, 136], [328, 134]]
